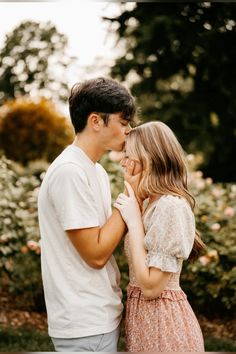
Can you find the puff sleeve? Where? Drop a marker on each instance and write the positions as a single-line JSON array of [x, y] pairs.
[[170, 233]]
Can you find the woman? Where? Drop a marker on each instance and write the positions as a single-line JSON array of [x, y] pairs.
[[158, 211]]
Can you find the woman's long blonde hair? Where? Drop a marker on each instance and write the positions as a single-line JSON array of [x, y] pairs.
[[163, 166]]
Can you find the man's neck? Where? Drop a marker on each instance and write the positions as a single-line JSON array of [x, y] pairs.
[[86, 143]]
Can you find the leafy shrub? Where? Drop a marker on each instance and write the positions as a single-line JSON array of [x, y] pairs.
[[210, 282], [31, 130], [19, 233], [109, 162]]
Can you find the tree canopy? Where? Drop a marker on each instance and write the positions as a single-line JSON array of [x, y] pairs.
[[180, 62], [32, 130], [31, 62]]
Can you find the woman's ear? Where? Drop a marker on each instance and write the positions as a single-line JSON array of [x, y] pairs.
[[95, 121]]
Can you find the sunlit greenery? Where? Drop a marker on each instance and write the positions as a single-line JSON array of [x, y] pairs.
[[36, 126], [33, 60]]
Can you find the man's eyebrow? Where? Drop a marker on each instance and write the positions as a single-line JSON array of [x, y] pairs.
[[124, 120]]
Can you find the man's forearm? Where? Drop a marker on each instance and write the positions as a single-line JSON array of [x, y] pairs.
[[96, 245], [111, 234]]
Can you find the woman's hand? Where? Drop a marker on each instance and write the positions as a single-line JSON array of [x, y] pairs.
[[133, 178], [129, 208]]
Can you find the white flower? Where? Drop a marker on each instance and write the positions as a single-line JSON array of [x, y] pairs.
[[209, 181], [217, 192], [229, 211], [7, 221], [213, 254], [215, 227], [32, 245], [198, 174], [200, 184], [204, 260], [42, 175], [190, 157], [35, 192], [233, 188], [3, 238]]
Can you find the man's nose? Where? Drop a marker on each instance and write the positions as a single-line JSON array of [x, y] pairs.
[[128, 129]]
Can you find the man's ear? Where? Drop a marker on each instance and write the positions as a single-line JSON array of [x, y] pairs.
[[95, 121]]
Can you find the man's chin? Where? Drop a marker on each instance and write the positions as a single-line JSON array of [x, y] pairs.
[[119, 148]]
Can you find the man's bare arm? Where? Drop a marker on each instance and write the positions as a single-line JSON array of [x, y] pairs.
[[96, 245]]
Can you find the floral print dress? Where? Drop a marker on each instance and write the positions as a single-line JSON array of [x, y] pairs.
[[166, 323]]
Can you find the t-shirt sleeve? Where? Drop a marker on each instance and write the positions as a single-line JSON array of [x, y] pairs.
[[72, 198], [170, 236]]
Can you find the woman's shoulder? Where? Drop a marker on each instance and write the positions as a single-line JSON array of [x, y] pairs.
[[169, 203], [170, 200]]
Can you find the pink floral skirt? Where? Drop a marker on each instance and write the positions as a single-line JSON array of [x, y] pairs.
[[166, 323]]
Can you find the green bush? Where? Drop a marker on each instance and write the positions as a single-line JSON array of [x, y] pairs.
[[115, 173], [19, 233], [210, 282], [24, 339], [31, 130]]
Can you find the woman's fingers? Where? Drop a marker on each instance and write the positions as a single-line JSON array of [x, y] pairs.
[[122, 196], [122, 199], [117, 206], [129, 189], [130, 168]]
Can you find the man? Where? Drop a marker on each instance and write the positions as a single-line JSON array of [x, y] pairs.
[[78, 231]]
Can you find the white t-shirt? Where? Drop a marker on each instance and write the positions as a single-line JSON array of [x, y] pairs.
[[81, 301]]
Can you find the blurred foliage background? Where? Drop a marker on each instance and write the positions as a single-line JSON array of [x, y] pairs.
[[36, 127], [210, 282], [32, 62], [179, 61]]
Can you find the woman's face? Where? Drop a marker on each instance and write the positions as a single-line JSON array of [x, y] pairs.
[[127, 159]]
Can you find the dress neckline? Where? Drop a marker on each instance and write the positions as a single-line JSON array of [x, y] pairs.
[[150, 205]]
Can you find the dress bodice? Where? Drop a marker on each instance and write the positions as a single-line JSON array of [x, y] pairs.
[[169, 235], [174, 281]]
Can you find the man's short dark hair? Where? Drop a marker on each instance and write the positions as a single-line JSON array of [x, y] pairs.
[[100, 95]]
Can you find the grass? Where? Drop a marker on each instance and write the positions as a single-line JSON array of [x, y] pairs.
[[213, 344], [25, 339]]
